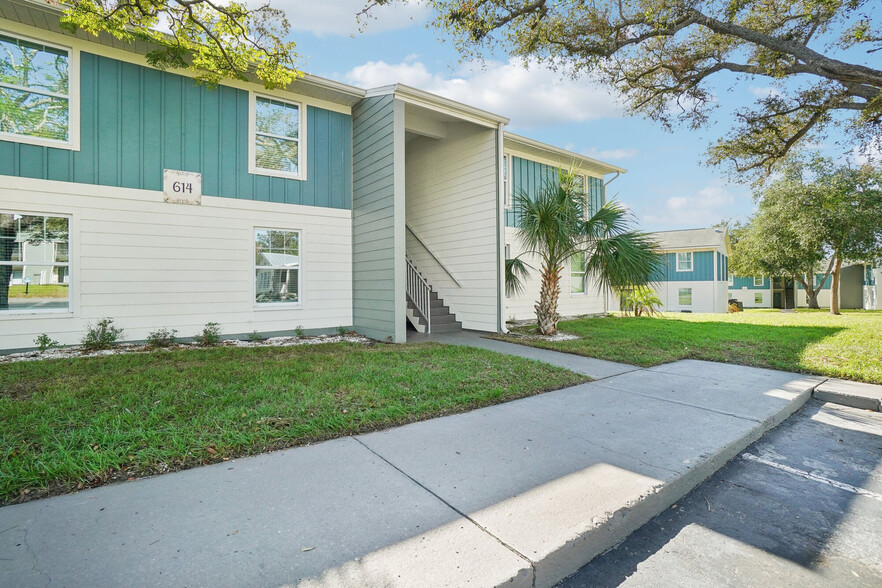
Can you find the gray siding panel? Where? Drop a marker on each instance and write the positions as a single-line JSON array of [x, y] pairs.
[[373, 217]]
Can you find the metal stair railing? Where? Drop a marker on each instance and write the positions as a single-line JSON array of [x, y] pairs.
[[420, 293]]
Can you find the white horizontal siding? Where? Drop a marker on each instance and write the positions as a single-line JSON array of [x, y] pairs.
[[451, 204], [747, 296], [149, 264], [709, 296], [521, 306]]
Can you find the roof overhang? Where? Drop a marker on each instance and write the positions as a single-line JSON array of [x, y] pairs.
[[567, 158], [430, 101]]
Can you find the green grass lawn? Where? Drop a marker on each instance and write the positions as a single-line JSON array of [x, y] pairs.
[[38, 291], [847, 346], [72, 423]]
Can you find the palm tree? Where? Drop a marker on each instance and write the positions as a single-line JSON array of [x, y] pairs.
[[554, 228]]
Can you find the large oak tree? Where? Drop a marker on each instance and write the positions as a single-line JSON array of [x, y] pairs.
[[665, 55]]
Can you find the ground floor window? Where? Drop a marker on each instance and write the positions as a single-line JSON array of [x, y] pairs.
[[276, 266], [34, 262], [758, 298], [577, 273], [685, 297]]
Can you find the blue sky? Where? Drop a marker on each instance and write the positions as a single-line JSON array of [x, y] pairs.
[[666, 186]]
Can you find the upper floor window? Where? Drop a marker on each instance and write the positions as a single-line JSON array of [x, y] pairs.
[[34, 263], [276, 143], [37, 93], [758, 281], [506, 182], [684, 261]]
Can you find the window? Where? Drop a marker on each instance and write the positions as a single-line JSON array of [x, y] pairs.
[[34, 263], [506, 184], [684, 262], [579, 186], [758, 298], [577, 273], [685, 297], [731, 280], [276, 266], [276, 138], [508, 252], [37, 93], [759, 281]]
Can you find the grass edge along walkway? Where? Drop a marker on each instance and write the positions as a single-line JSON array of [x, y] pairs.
[[848, 346], [71, 424]]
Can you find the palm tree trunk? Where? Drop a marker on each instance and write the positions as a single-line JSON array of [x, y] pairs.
[[546, 308]]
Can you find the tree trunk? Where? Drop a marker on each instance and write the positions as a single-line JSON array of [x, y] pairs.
[[7, 244], [834, 288], [811, 295], [546, 308]]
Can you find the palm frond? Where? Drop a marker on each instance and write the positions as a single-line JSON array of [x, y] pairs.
[[516, 273]]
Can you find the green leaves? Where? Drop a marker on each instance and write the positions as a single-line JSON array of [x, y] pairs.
[[215, 40]]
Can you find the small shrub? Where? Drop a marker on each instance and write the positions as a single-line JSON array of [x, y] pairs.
[[299, 331], [734, 308], [210, 335], [162, 338], [640, 300], [102, 335], [341, 330], [256, 337], [44, 342]]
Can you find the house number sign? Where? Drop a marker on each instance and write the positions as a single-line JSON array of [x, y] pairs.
[[182, 187]]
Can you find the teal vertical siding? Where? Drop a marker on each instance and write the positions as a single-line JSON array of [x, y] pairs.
[[529, 177], [722, 267], [747, 282], [136, 121], [702, 268], [828, 283]]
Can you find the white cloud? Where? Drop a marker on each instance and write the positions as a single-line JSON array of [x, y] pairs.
[[704, 208], [610, 154], [869, 153], [529, 95], [339, 17], [764, 92]]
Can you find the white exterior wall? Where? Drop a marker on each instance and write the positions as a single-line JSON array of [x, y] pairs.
[[520, 307], [873, 294], [747, 297], [149, 264], [451, 204], [824, 298], [707, 296]]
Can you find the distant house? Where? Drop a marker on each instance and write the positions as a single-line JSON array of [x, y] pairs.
[[696, 270], [858, 288]]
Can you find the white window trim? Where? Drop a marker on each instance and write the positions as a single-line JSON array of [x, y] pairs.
[[252, 134], [73, 99], [71, 267], [690, 296], [762, 281], [691, 261], [584, 275], [258, 306], [507, 182]]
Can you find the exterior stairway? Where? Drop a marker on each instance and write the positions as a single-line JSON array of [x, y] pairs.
[[443, 321]]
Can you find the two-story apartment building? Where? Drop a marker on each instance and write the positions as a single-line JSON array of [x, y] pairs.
[[141, 195], [696, 270]]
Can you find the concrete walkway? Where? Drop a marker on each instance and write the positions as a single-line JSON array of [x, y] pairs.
[[595, 368], [521, 493]]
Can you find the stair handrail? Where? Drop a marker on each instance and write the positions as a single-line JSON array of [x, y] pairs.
[[432, 253], [419, 292]]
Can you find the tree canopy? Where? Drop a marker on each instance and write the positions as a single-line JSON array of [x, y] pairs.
[[215, 39], [814, 211], [663, 55]]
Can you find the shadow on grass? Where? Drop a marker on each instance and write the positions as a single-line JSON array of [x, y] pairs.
[[652, 341]]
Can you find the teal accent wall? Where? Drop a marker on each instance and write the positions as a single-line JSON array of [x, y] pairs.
[[747, 282], [702, 268], [530, 177], [137, 121], [828, 283], [722, 267]]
